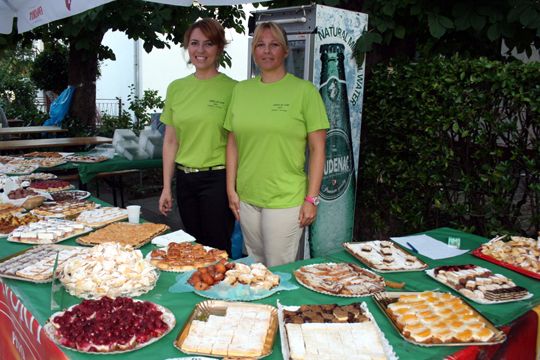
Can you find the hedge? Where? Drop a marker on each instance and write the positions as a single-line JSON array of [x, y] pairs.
[[450, 142]]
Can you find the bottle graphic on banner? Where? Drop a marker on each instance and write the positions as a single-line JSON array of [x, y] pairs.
[[335, 214]]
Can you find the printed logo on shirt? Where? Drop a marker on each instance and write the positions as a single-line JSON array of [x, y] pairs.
[[216, 104], [280, 107]]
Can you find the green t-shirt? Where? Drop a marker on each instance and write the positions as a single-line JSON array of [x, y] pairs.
[[270, 123], [196, 109]]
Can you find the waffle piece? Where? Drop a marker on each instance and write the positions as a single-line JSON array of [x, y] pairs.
[[134, 235]]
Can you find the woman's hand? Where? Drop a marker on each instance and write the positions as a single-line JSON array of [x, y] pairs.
[[308, 213], [234, 203], [165, 202]]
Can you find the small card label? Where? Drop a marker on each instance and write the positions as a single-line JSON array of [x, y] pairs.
[[454, 242]]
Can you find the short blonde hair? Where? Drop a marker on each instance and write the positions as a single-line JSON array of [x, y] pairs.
[[276, 30]]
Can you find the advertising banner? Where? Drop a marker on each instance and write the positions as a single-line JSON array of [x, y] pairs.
[[21, 335], [341, 85]]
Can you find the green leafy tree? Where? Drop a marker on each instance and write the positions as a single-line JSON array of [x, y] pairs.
[[154, 24], [413, 28], [17, 91], [50, 68]]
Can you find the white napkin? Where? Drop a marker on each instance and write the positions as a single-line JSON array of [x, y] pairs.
[[179, 236], [428, 246]]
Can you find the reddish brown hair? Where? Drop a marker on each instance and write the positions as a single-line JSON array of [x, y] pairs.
[[211, 28]]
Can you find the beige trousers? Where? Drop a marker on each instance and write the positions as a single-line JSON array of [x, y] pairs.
[[271, 236]]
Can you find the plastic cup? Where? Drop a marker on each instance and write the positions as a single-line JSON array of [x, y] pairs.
[[134, 213]]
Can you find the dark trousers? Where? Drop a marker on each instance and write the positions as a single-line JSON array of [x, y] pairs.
[[204, 207]]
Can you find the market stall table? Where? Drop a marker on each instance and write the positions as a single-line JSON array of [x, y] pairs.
[[12, 145], [36, 298], [29, 130], [89, 171]]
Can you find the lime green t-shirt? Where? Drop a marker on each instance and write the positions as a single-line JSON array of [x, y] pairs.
[[196, 109], [270, 122]]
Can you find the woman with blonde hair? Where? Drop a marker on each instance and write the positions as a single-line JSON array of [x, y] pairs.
[[271, 119], [195, 141]]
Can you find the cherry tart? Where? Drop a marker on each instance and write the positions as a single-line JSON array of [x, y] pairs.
[[50, 185], [107, 325]]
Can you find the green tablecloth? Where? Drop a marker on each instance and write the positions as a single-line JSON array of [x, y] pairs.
[[36, 298], [88, 171]]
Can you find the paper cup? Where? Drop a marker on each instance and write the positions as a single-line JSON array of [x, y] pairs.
[[134, 213]]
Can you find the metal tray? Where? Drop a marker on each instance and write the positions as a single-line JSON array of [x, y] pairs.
[[168, 318], [59, 247], [369, 265], [389, 351], [431, 273], [385, 298], [217, 307]]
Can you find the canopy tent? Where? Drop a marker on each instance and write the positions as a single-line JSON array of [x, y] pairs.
[[33, 13]]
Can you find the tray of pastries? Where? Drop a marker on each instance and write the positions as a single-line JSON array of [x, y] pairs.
[[86, 158], [436, 318], [235, 281], [224, 329], [51, 162], [479, 284], [520, 254], [49, 231], [10, 222], [109, 269], [180, 257], [102, 216], [4, 159], [384, 256], [9, 209], [51, 185], [134, 235], [70, 195], [37, 176], [68, 209], [18, 169], [108, 326], [340, 279], [37, 263], [43, 154], [331, 331]]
